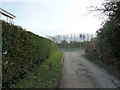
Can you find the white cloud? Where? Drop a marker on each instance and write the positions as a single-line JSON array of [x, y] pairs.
[[30, 0], [56, 17]]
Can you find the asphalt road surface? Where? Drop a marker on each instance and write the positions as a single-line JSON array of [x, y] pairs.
[[78, 72]]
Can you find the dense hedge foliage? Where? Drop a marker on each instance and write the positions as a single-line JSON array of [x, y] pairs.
[[108, 38], [106, 46], [21, 51]]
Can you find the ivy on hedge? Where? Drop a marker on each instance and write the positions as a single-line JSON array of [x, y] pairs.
[[21, 51]]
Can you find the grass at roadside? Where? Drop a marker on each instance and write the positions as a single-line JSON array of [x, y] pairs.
[[92, 57], [109, 67], [95, 58], [47, 75]]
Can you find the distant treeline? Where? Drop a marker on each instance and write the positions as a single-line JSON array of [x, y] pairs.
[[71, 41], [71, 44]]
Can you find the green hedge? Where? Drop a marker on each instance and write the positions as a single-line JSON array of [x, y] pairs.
[[21, 51]]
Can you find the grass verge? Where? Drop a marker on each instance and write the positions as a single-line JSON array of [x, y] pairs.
[[109, 67], [47, 75]]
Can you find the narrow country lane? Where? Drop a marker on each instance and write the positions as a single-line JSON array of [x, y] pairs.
[[81, 73]]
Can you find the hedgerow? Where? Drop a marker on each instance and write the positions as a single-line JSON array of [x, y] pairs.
[[106, 47], [21, 51]]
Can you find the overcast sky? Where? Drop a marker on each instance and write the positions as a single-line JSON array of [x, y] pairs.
[[51, 17]]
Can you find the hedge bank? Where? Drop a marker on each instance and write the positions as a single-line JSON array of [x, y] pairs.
[[21, 51]]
